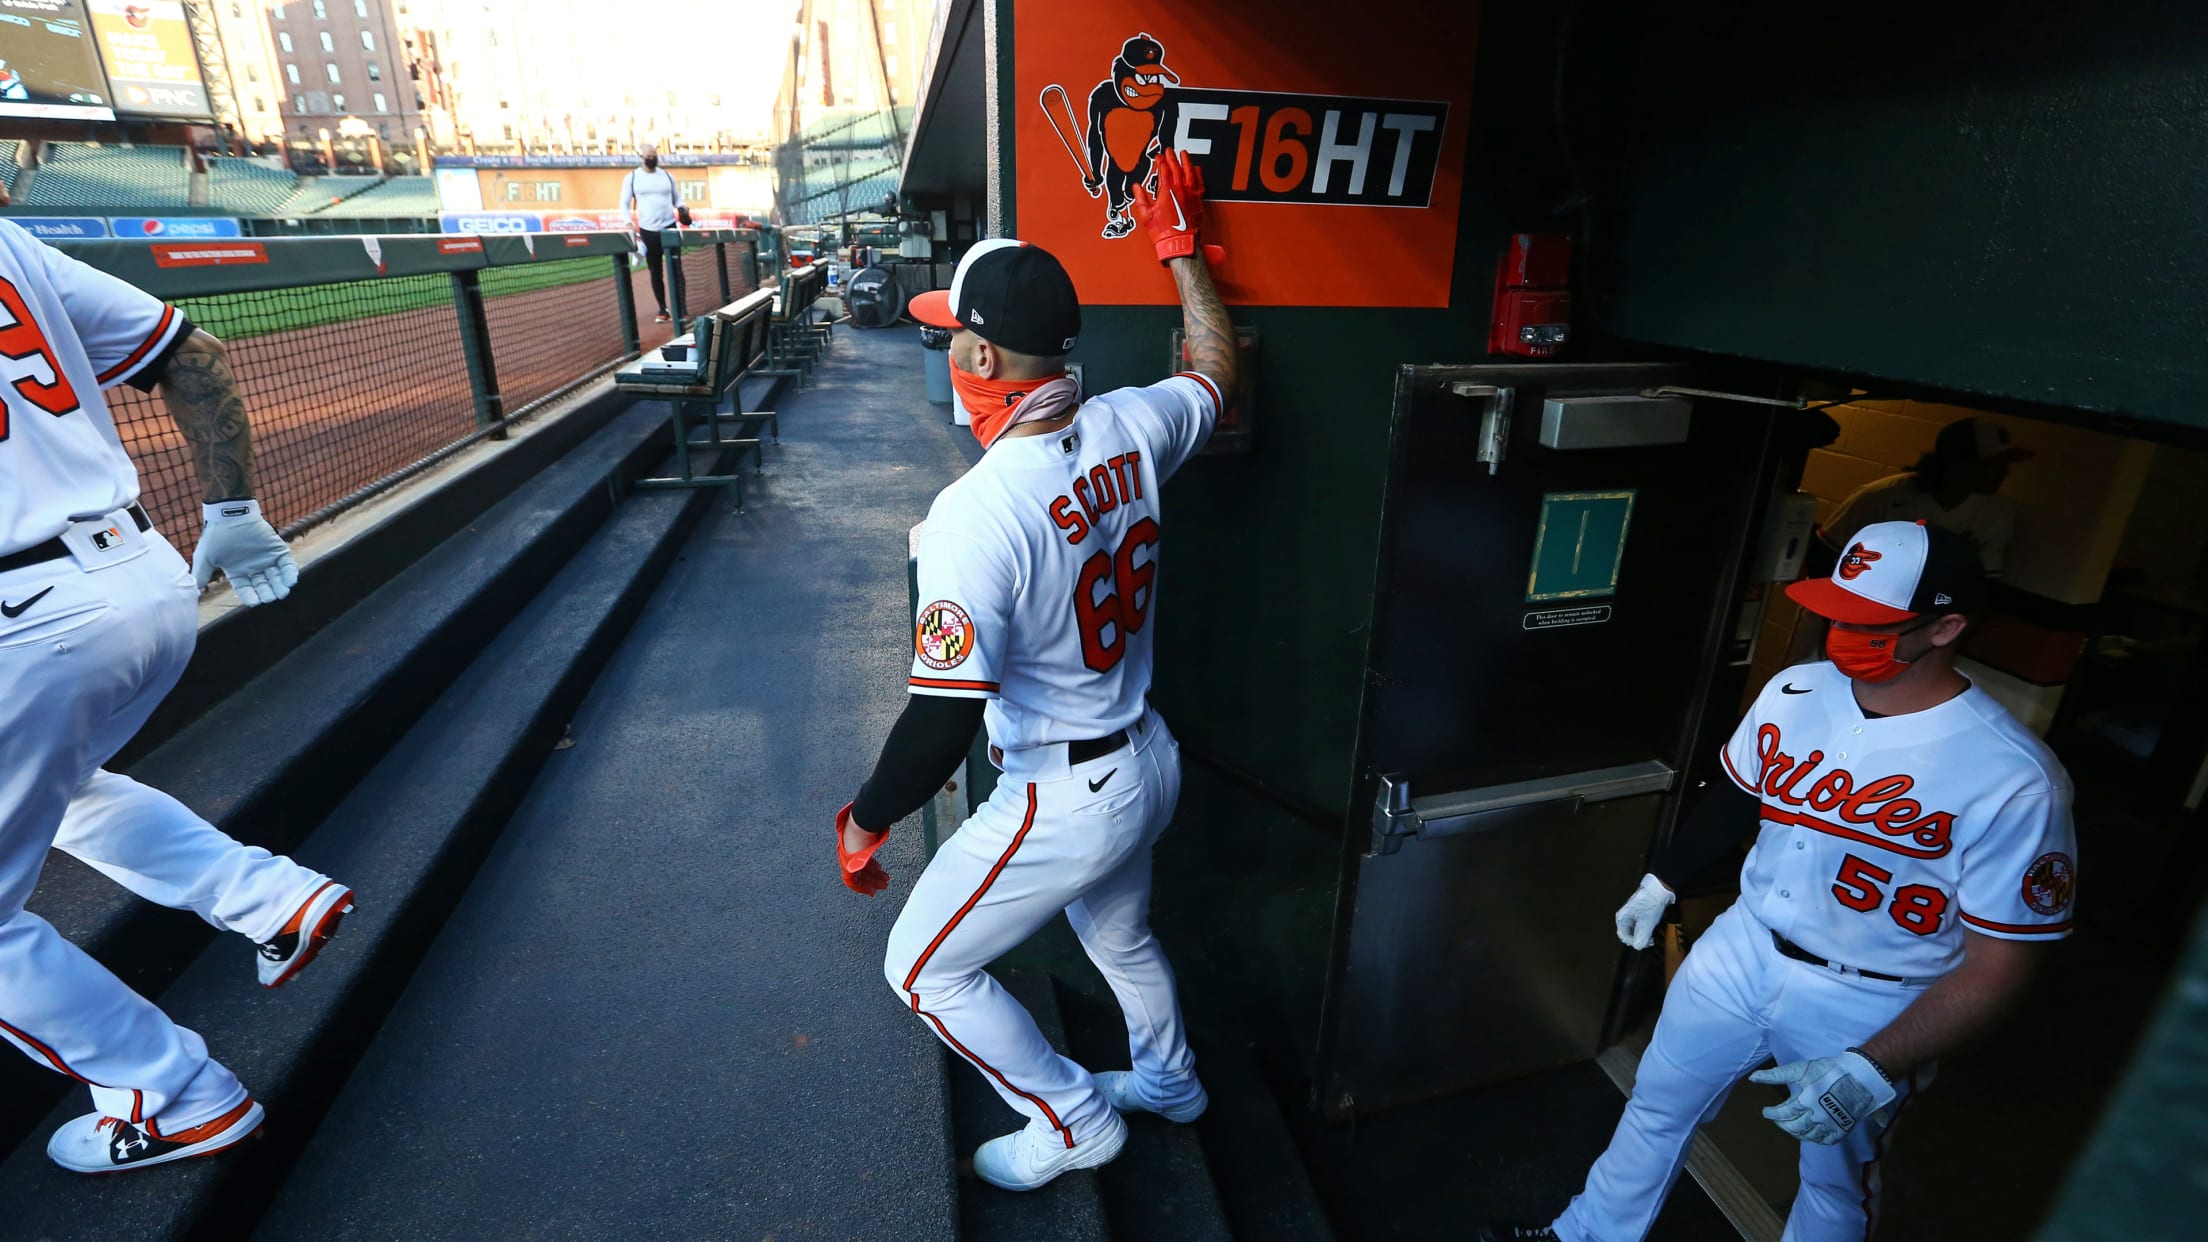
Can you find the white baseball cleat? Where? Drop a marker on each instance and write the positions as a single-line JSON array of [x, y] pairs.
[[96, 1144], [310, 926], [1118, 1086], [1031, 1157]]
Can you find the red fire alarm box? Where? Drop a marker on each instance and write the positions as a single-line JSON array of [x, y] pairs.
[[1533, 308]]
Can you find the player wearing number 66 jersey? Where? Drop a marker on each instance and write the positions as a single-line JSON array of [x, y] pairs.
[[98, 616], [1038, 572], [1913, 855]]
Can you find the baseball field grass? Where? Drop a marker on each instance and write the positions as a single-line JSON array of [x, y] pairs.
[[241, 316]]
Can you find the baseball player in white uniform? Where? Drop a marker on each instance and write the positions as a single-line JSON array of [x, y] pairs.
[[1038, 569], [1914, 850], [98, 615]]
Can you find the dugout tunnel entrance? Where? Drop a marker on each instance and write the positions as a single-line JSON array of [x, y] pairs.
[[1534, 699]]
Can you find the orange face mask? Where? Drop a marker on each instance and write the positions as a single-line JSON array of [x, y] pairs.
[[1866, 656], [993, 405]]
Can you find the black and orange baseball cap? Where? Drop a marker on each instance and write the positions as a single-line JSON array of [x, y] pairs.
[[1897, 571], [1010, 293]]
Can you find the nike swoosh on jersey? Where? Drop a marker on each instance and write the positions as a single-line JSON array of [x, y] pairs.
[[12, 611], [1790, 688]]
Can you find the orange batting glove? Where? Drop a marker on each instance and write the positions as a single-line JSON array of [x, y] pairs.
[[1176, 214], [861, 874]]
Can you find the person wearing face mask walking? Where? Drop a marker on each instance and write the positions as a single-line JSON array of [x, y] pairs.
[[1914, 854], [1039, 567], [652, 200]]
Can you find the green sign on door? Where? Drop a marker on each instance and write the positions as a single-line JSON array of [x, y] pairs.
[[1579, 545]]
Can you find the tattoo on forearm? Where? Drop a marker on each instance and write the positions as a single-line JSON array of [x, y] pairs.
[[1212, 347], [202, 396]]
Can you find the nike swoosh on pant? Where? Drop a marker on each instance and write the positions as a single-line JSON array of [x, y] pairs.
[[12, 611]]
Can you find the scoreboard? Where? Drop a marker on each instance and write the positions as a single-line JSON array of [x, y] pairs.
[[91, 60], [49, 69]]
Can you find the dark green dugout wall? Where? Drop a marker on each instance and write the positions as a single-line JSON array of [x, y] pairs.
[[2000, 200], [1266, 590]]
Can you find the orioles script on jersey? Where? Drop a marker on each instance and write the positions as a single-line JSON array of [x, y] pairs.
[[1104, 488], [1878, 803]]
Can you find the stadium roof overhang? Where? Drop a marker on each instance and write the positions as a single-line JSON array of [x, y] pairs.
[[947, 152]]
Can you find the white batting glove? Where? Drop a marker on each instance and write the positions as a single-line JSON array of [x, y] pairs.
[[1827, 1097], [239, 544], [1638, 917]]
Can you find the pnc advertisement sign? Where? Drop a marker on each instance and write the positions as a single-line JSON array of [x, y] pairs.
[[1332, 150], [150, 62]]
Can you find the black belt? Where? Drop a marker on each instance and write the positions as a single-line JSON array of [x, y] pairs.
[[1788, 948], [1094, 748], [1081, 751], [54, 549]]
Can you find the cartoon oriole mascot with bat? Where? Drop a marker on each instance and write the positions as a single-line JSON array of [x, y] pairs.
[[1128, 115]]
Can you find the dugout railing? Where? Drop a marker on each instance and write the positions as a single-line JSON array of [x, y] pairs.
[[365, 360]]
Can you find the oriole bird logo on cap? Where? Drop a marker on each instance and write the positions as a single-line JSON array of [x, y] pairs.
[[1858, 560]]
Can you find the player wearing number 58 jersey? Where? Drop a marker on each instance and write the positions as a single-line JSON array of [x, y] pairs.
[[98, 616], [1038, 572], [1913, 853]]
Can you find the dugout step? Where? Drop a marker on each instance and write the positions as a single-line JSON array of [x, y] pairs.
[[271, 760], [408, 839], [1235, 1173], [1161, 1185], [1070, 1209]]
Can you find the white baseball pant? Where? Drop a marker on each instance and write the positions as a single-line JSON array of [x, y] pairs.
[[1052, 837], [1736, 1001], [80, 670]]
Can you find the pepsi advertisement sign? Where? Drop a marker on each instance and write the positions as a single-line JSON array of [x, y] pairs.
[[61, 228], [489, 222], [175, 226]]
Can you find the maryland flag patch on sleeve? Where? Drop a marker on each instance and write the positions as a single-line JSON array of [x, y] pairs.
[[944, 635]]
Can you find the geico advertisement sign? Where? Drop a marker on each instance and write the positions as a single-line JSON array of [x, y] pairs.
[[489, 222]]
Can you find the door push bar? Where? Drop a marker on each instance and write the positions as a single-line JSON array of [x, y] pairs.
[[1397, 815]]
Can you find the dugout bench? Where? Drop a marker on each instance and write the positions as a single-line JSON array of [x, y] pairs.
[[725, 345], [796, 339]]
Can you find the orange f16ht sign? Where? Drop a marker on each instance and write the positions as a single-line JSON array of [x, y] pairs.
[[1332, 153]]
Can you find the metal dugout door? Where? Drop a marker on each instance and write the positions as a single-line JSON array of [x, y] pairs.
[[1560, 550]]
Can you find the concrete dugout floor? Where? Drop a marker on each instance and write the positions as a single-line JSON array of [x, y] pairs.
[[657, 1010]]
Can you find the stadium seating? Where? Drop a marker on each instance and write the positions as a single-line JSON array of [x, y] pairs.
[[393, 198], [11, 150], [91, 174], [249, 187], [314, 196]]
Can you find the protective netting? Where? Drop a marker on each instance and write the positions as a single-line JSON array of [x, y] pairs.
[[701, 280], [344, 383], [348, 383], [552, 324]]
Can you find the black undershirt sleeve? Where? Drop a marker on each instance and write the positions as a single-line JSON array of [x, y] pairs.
[[923, 749], [1721, 820], [149, 376]]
